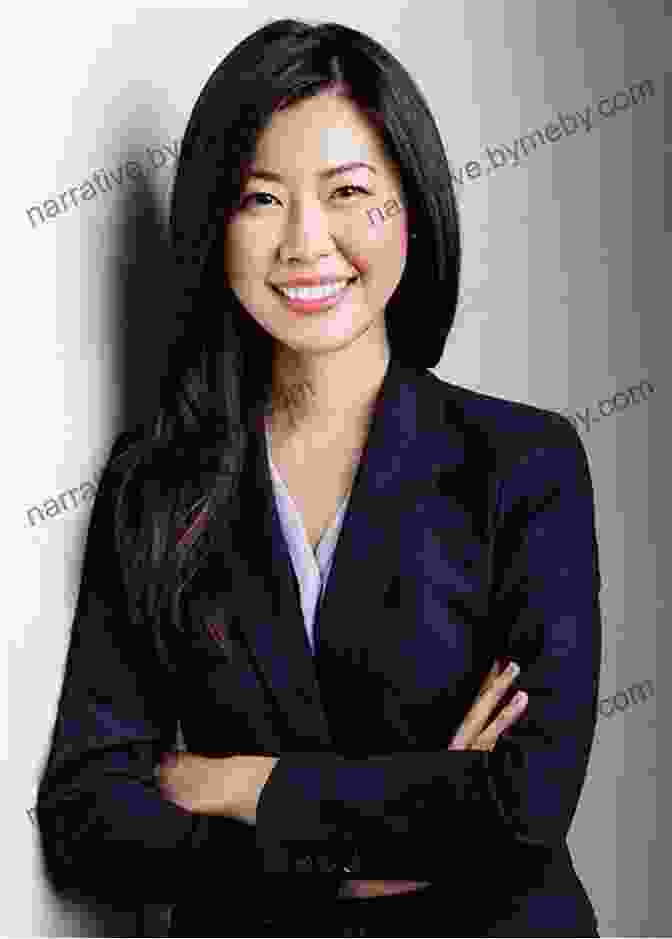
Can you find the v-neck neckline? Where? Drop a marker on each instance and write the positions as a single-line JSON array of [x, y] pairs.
[[297, 515]]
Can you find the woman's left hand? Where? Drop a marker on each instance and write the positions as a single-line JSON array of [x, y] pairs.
[[229, 786]]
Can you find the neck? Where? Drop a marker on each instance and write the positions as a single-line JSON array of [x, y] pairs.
[[329, 389]]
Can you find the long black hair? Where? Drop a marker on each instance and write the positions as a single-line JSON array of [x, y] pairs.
[[187, 464]]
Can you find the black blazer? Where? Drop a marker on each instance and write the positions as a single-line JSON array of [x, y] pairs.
[[469, 535]]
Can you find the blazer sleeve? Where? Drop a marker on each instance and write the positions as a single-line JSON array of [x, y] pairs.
[[401, 815], [106, 828]]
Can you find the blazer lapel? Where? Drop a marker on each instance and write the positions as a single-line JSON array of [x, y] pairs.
[[396, 470], [388, 475]]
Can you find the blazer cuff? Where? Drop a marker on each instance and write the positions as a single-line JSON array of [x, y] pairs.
[[295, 832], [322, 812]]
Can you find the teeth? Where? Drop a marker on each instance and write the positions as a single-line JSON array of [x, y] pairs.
[[314, 293]]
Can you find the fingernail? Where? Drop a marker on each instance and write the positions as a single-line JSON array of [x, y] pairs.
[[519, 698], [514, 669]]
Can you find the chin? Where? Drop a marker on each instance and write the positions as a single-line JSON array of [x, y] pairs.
[[325, 336], [314, 332]]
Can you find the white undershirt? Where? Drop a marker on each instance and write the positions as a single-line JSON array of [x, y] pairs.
[[312, 568]]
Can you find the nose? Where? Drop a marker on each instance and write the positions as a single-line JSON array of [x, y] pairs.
[[307, 235]]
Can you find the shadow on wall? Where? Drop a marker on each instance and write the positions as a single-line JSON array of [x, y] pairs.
[[139, 285], [142, 291]]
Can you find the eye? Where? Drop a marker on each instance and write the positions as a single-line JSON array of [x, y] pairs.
[[258, 195], [254, 195], [357, 188]]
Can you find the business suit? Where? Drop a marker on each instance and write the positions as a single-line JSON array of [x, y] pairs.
[[469, 535]]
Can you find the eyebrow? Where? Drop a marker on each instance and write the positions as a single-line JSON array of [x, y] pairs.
[[325, 174]]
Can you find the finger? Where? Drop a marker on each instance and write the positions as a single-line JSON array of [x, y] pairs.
[[457, 743], [490, 677], [479, 713], [505, 719]]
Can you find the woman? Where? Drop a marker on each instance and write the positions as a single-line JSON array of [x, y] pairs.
[[372, 739]]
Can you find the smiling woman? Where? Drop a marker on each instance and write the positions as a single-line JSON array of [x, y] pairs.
[[316, 213], [319, 557]]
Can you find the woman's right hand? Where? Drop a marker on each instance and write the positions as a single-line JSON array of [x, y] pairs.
[[473, 734], [470, 735]]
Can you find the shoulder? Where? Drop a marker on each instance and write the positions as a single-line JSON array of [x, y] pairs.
[[507, 431], [534, 459]]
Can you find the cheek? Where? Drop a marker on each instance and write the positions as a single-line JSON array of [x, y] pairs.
[[378, 244], [244, 260]]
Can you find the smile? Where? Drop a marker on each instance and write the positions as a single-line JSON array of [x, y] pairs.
[[313, 299]]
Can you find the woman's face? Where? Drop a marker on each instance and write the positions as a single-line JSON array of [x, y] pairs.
[[307, 223]]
